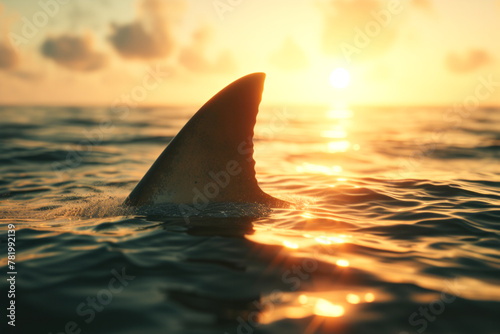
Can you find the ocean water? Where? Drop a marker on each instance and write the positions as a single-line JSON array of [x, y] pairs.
[[394, 227]]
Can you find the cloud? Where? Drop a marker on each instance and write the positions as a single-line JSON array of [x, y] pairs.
[[136, 41], [289, 56], [9, 58], [345, 21], [468, 61], [74, 52], [150, 35], [194, 56]]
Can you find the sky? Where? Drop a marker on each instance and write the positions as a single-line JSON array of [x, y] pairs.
[[182, 52]]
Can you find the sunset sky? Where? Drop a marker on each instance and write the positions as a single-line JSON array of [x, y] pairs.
[[181, 52]]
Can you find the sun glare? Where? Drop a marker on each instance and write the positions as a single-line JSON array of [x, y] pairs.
[[289, 244], [325, 308], [342, 263], [340, 78], [353, 298]]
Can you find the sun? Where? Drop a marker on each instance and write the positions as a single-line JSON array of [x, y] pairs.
[[340, 78]]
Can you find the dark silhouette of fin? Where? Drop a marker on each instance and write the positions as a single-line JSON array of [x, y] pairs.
[[211, 158]]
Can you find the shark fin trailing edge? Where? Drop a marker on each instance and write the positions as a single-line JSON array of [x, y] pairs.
[[211, 158]]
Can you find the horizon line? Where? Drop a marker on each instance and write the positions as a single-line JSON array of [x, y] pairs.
[[174, 105]]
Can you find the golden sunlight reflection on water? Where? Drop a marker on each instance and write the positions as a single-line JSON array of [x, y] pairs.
[[303, 299], [342, 263], [353, 298], [290, 244], [332, 304], [332, 249], [320, 304], [325, 308], [338, 146], [335, 133], [369, 297], [338, 121], [318, 169], [291, 240], [337, 130]]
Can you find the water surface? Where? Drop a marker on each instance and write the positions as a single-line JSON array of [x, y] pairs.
[[394, 227]]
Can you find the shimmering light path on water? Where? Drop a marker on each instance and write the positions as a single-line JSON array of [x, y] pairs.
[[394, 229]]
